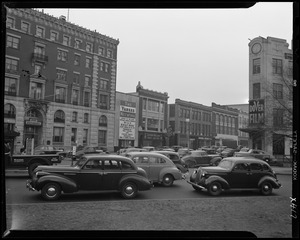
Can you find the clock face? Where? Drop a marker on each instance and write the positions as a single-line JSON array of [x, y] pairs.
[[256, 48]]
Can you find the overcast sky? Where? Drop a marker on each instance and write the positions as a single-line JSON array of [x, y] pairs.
[[197, 55]]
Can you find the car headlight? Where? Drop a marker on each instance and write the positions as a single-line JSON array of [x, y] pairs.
[[203, 174]]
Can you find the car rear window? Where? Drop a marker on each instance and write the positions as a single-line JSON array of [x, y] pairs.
[[255, 166]]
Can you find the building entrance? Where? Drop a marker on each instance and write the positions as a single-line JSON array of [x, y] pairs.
[[33, 127]]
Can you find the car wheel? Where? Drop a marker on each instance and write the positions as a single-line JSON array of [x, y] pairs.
[[215, 188], [129, 190], [51, 191], [31, 168], [266, 188], [167, 180]]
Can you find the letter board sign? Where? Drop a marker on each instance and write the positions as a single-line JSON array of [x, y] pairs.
[[256, 112]]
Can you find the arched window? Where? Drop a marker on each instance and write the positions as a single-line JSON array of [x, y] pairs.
[[9, 111], [59, 116], [103, 121]]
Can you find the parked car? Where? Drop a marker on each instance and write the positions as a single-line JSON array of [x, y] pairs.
[[269, 158], [228, 152], [87, 150], [174, 157], [158, 167], [209, 150], [149, 148], [125, 151], [240, 173], [200, 158], [183, 152], [176, 147], [220, 149], [46, 149], [244, 149], [93, 172]]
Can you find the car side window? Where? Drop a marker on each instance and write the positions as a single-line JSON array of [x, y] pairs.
[[255, 167], [93, 164], [153, 160], [126, 165], [111, 164], [161, 160], [241, 167], [142, 160]]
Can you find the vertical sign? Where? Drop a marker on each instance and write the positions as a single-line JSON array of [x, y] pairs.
[[127, 120], [256, 112]]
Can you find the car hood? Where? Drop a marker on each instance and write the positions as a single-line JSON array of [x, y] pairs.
[[56, 168], [214, 169]]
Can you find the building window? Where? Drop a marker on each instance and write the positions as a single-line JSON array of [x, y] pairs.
[[88, 47], [77, 60], [144, 103], [66, 40], [152, 124], [10, 22], [104, 85], [53, 36], [77, 43], [103, 121], [11, 64], [62, 55], [73, 135], [61, 75], [25, 27], [59, 116], [87, 81], [85, 137], [75, 97], [60, 94], [9, 111], [256, 90], [12, 42], [104, 67], [58, 134], [76, 78], [38, 68], [256, 66], [277, 66], [40, 31], [277, 117], [36, 90], [101, 51], [109, 53], [86, 118], [88, 62], [102, 137], [10, 86], [86, 99], [277, 91], [103, 101], [74, 116], [153, 105], [40, 50]]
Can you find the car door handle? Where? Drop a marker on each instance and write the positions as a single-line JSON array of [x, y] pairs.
[[249, 173]]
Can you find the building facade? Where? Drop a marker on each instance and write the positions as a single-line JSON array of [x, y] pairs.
[[153, 117], [126, 121], [270, 95], [60, 81], [191, 124], [225, 125]]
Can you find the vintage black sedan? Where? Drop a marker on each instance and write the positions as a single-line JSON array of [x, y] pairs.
[[198, 158], [235, 173], [93, 172]]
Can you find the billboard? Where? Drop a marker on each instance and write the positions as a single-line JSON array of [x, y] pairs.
[[127, 120], [256, 112]]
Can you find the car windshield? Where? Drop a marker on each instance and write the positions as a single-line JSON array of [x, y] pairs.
[[80, 162], [226, 164]]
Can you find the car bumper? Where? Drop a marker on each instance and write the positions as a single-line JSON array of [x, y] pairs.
[[195, 185], [29, 185]]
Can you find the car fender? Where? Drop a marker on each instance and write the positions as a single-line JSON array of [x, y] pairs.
[[223, 182], [214, 159], [141, 182], [67, 184], [269, 179], [176, 174]]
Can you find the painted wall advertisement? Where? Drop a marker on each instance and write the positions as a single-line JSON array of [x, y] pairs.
[[127, 120], [256, 112]]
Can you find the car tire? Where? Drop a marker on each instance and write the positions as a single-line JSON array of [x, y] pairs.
[[129, 190], [167, 180], [51, 191], [31, 168], [266, 188], [215, 188]]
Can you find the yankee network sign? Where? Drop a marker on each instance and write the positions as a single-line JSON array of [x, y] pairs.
[[256, 112]]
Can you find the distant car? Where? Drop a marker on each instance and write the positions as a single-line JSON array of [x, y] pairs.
[[183, 152], [92, 172], [87, 150], [269, 158], [46, 149], [158, 167], [228, 152], [176, 147], [244, 149], [240, 173], [174, 156], [209, 150], [149, 148], [125, 151], [200, 158]]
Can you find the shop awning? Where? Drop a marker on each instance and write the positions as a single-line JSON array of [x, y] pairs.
[[252, 129]]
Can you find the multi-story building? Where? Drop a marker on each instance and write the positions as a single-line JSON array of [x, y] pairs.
[[191, 124], [225, 125], [270, 95], [153, 117], [126, 121], [243, 118], [60, 81]]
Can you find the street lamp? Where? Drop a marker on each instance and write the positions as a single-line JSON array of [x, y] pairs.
[[188, 128]]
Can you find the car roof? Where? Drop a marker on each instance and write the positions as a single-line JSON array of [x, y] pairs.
[[106, 156], [168, 152], [248, 159]]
